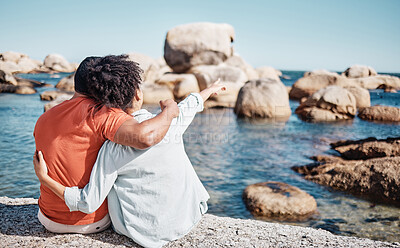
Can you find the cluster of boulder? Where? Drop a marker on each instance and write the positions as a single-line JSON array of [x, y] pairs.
[[328, 96], [12, 63], [369, 168]]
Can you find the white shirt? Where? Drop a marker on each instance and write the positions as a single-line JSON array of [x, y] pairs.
[[154, 195]]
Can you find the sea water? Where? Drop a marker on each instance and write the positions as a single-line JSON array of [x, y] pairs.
[[228, 154]]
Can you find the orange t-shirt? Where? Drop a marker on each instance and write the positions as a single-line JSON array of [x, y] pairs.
[[70, 136]]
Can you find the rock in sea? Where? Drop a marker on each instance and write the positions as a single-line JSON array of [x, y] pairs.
[[278, 200], [194, 44], [380, 113], [329, 104], [263, 98]]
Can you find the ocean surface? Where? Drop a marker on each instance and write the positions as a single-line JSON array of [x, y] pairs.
[[229, 154]]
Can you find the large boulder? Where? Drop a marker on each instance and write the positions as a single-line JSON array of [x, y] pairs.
[[320, 72], [376, 179], [278, 200], [194, 44], [180, 84], [237, 61], [152, 69], [58, 63], [154, 93], [329, 104], [359, 71], [362, 96], [375, 82], [233, 77], [7, 78], [368, 148], [380, 113], [269, 72], [67, 83], [263, 98]]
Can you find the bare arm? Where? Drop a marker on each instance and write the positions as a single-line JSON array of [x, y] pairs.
[[147, 133], [41, 172]]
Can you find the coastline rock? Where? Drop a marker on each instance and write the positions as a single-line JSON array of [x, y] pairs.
[[268, 72], [376, 179], [263, 98], [180, 84], [359, 71], [51, 95], [57, 101], [14, 62], [7, 78], [237, 61], [319, 72], [363, 98], [374, 82], [154, 93], [279, 200], [58, 63], [329, 104], [380, 113], [368, 148], [23, 90], [194, 44], [19, 227], [67, 83], [234, 78]]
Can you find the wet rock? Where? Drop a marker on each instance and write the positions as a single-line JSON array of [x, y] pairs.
[[194, 44], [58, 63], [362, 96], [263, 98], [374, 82], [279, 200], [154, 93], [387, 88], [376, 179], [30, 82], [359, 71], [53, 94], [67, 83], [58, 100], [368, 148], [7, 78], [23, 90], [269, 72], [380, 113], [233, 77], [329, 104]]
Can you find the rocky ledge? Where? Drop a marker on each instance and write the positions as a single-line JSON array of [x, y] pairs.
[[20, 228]]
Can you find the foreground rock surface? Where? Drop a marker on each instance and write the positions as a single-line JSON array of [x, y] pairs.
[[279, 200], [368, 148], [20, 228], [376, 179]]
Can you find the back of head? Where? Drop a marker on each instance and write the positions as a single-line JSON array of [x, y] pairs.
[[111, 81]]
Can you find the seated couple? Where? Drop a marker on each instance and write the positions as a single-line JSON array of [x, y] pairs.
[[90, 148]]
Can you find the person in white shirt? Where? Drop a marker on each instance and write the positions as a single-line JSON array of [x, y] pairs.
[[154, 195]]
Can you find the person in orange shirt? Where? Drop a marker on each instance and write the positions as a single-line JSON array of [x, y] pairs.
[[71, 134]]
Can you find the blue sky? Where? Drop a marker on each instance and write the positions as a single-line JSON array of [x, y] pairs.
[[286, 34]]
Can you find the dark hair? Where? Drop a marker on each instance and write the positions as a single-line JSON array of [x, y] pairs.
[[111, 81]]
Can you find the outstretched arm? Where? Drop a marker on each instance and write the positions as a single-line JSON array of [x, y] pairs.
[[195, 103], [150, 132]]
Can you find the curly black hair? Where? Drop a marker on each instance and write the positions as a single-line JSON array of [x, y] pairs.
[[110, 81]]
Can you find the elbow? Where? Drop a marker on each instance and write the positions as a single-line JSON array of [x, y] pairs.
[[147, 139]]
